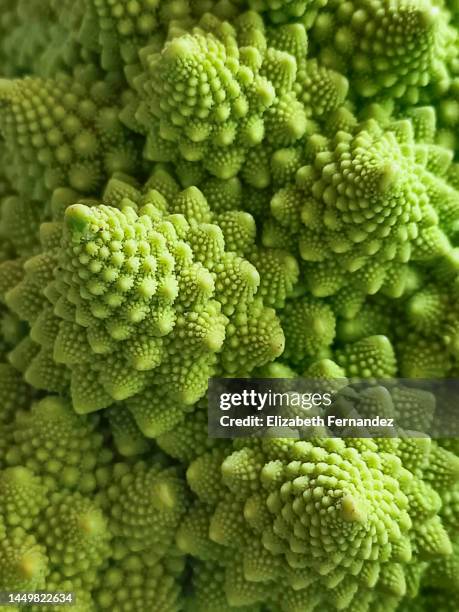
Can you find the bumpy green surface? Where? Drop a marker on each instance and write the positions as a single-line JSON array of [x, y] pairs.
[[63, 131], [217, 92], [336, 521], [360, 37], [148, 288], [370, 201], [236, 188]]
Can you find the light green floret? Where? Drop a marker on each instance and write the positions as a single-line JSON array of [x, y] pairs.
[[213, 93], [309, 327], [320, 89], [64, 131], [65, 450], [23, 562], [145, 503], [427, 308], [87, 545], [223, 195], [136, 303], [76, 535], [359, 38], [423, 357], [431, 312], [279, 274], [364, 206], [370, 357], [23, 497], [373, 318], [275, 369], [254, 337], [421, 326], [239, 231], [335, 524], [327, 371]]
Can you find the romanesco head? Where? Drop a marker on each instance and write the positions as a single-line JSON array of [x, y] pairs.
[[339, 521], [149, 287], [211, 94], [367, 203]]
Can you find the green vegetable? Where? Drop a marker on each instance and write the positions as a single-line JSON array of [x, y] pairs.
[[328, 520], [226, 188], [148, 288]]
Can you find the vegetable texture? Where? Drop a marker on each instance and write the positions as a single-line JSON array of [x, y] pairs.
[[232, 188]]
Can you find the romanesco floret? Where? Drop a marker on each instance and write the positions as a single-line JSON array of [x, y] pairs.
[[329, 520], [64, 131], [368, 201], [82, 543], [360, 37], [52, 440], [212, 94], [128, 286]]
